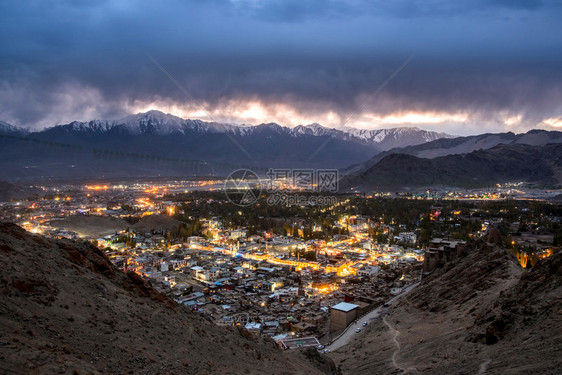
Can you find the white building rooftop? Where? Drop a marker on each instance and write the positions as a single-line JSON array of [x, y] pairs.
[[344, 306]]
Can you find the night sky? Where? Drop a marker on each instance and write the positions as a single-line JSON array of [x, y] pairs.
[[462, 67]]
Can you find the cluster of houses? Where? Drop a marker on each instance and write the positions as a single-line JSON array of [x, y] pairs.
[[259, 284], [281, 286]]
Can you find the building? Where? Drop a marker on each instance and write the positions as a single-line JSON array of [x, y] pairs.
[[238, 233], [409, 237], [341, 315], [441, 251], [367, 271]]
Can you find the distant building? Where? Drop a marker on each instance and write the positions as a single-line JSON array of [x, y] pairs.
[[191, 298], [539, 239], [367, 271], [341, 315], [238, 233], [409, 237], [441, 251], [253, 327]]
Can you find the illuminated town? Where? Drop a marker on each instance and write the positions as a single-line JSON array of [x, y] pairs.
[[278, 271]]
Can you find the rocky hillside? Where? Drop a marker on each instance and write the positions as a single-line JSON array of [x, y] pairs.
[[64, 308], [481, 314]]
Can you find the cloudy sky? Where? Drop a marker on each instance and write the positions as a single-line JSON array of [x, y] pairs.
[[463, 67]]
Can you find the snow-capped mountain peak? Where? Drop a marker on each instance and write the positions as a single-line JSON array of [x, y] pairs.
[[159, 123], [155, 122], [396, 137], [6, 128], [316, 127], [98, 126], [312, 129]]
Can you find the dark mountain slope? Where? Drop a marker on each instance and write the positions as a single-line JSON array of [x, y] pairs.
[[158, 144], [464, 145], [64, 308], [10, 191], [502, 163], [479, 314]]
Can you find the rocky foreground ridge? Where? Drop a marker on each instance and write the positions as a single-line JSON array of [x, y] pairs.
[[482, 314], [64, 308]]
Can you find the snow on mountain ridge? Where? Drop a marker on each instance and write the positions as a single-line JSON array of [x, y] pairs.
[[92, 126], [316, 130], [8, 128], [152, 122], [156, 122]]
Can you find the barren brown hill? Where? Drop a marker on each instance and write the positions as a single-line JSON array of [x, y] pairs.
[[93, 225], [9, 191], [64, 308], [157, 223], [481, 314]]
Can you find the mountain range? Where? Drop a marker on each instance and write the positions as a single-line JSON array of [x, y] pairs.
[[154, 143], [463, 145], [503, 163], [474, 161]]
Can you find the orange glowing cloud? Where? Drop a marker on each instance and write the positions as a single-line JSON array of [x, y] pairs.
[[553, 121], [254, 111]]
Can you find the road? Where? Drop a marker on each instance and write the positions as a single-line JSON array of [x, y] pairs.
[[350, 333]]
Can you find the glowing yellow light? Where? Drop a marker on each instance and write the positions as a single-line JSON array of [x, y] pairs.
[[96, 187]]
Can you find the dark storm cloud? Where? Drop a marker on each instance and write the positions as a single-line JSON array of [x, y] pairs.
[[64, 60]]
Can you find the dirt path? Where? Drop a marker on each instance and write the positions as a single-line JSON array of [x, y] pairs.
[[395, 338], [395, 333], [484, 366]]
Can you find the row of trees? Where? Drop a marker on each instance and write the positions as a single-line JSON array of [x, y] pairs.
[[429, 218]]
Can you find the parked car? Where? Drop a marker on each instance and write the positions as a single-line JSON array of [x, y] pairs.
[[364, 324], [320, 347], [326, 350], [358, 330]]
